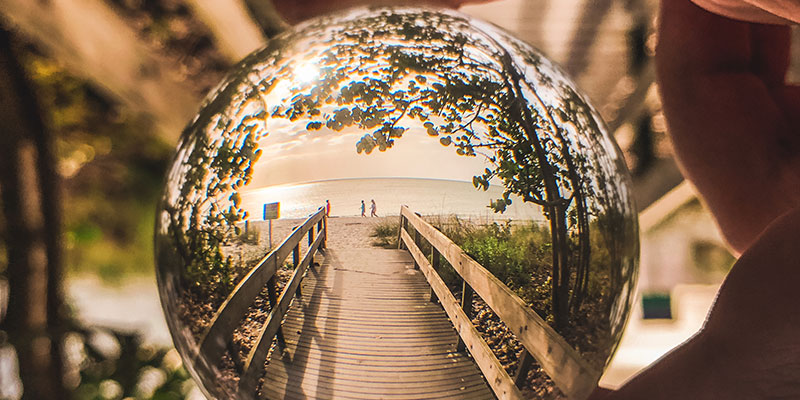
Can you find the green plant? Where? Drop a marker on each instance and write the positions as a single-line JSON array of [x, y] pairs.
[[517, 254], [385, 233]]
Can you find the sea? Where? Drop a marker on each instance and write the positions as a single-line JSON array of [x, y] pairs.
[[424, 196]]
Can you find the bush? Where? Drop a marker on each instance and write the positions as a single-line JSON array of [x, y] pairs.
[[249, 237], [385, 233], [518, 255]]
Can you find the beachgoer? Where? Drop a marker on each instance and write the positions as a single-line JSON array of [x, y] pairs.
[[374, 207], [363, 209], [327, 208], [735, 126]]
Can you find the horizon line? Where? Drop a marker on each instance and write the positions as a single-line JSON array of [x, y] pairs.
[[360, 178]]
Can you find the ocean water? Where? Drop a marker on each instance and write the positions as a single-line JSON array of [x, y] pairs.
[[424, 196]]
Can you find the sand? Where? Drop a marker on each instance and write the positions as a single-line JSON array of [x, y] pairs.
[[343, 232]]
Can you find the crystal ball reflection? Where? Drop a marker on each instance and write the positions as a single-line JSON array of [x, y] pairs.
[[352, 116]]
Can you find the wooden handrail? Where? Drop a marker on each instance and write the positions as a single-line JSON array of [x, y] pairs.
[[570, 372], [254, 365], [219, 333], [497, 377]]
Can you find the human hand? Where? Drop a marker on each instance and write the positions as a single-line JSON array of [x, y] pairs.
[[732, 118], [748, 347], [734, 124]]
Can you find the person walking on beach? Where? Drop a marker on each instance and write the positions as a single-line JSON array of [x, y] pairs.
[[363, 209], [374, 212], [327, 208]]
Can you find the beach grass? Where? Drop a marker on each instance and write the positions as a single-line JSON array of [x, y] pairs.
[[385, 233]]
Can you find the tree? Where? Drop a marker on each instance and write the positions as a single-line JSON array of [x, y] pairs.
[[201, 204], [386, 73], [35, 321]]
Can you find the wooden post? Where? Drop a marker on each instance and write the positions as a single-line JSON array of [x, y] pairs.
[[310, 242], [296, 256], [403, 225], [325, 231], [523, 366], [270, 235], [435, 260], [416, 242], [273, 303], [466, 305]]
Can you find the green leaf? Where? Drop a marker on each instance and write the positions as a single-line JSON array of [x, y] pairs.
[[434, 132]]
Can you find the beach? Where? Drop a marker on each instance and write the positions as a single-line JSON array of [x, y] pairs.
[[343, 232], [425, 196]]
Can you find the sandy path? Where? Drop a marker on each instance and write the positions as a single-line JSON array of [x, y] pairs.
[[343, 232]]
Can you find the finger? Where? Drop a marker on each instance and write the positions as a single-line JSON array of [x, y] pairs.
[[770, 51], [696, 41], [601, 394], [727, 127]]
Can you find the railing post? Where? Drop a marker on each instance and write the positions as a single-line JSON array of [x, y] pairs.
[[466, 305], [320, 232], [325, 231], [523, 366], [273, 303], [417, 243], [310, 242], [435, 260], [403, 225], [296, 260]]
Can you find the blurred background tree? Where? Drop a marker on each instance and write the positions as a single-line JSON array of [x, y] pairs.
[[93, 96]]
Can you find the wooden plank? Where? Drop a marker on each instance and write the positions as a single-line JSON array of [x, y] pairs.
[[497, 377], [254, 366], [353, 335], [419, 388], [427, 376], [573, 375], [233, 309], [325, 389]]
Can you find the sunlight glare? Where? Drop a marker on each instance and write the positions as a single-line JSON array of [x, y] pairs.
[[306, 72]]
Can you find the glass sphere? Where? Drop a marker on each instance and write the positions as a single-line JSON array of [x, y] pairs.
[[287, 268]]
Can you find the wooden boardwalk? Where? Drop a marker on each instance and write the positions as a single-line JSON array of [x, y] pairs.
[[364, 328]]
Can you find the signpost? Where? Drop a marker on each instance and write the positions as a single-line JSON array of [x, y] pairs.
[[271, 211]]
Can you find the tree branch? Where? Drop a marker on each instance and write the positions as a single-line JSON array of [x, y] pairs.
[[95, 43]]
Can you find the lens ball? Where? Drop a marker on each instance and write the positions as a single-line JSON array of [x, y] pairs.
[[396, 203]]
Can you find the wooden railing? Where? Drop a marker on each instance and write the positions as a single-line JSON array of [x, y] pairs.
[[233, 309], [570, 372]]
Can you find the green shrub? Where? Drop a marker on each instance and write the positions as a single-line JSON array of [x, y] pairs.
[[517, 254], [385, 233]]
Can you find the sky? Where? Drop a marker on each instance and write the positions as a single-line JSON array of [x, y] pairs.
[[297, 155]]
